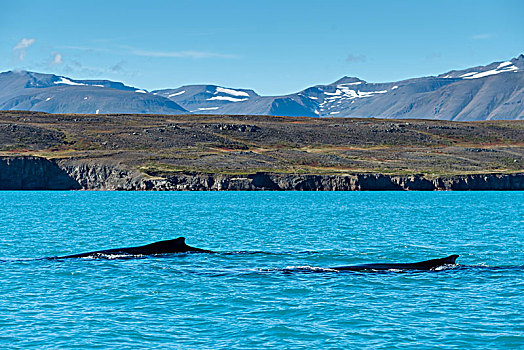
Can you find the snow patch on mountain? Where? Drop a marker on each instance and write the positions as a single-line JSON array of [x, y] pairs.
[[231, 92], [502, 68], [484, 71], [66, 81], [355, 83], [176, 94], [345, 92], [226, 98]]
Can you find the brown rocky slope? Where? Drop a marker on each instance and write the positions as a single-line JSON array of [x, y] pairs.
[[146, 152]]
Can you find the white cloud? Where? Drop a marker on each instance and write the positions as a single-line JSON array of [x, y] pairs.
[[120, 49], [20, 48], [119, 67], [356, 58], [180, 54], [482, 36], [24, 44], [57, 59]]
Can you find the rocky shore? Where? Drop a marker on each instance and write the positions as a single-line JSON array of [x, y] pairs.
[[37, 173]]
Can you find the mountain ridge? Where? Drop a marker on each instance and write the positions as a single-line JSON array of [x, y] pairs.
[[493, 91]]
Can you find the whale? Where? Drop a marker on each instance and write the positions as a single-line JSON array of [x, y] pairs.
[[426, 265], [177, 245]]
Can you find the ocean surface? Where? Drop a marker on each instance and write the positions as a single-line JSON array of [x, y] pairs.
[[270, 286]]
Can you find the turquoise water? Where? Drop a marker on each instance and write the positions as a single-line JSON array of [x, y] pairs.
[[277, 296]]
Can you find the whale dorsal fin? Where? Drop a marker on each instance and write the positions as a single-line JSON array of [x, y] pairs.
[[450, 259], [180, 240], [428, 264]]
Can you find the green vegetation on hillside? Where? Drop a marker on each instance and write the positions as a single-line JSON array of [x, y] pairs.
[[159, 145]]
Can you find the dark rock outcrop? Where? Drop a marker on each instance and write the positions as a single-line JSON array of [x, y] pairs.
[[35, 173], [353, 182]]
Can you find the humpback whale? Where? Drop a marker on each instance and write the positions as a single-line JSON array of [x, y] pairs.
[[422, 265], [177, 245]]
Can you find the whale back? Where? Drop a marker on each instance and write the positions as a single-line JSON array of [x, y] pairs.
[[422, 265], [177, 245], [434, 263], [169, 246]]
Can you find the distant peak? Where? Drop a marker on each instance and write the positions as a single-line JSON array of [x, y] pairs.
[[17, 71], [519, 61], [348, 80]]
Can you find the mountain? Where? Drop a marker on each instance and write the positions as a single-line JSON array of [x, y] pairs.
[[494, 91], [57, 94], [217, 99], [198, 98]]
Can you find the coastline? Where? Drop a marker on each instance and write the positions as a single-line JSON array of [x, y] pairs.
[[225, 152], [39, 173]]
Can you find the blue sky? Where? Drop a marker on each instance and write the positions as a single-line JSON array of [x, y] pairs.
[[273, 47]]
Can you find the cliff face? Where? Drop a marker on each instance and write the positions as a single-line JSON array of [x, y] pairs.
[[35, 173], [355, 182]]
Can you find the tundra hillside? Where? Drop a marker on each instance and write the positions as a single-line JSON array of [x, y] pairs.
[[160, 146]]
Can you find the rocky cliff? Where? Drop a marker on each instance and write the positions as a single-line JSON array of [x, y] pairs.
[[36, 173]]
